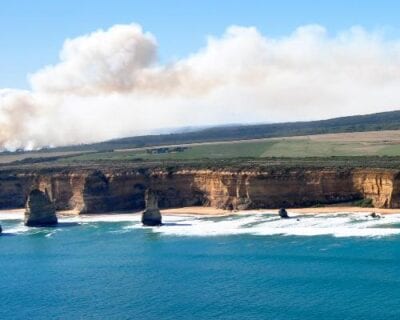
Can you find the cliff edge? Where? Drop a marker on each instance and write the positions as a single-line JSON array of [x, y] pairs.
[[122, 188]]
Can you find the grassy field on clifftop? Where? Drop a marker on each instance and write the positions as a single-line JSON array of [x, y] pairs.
[[350, 144], [359, 123], [357, 144]]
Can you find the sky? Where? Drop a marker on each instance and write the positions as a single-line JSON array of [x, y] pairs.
[[83, 71], [32, 32]]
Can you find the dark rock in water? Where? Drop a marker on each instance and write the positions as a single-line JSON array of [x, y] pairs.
[[151, 216], [374, 215], [1, 230], [40, 210], [283, 213]]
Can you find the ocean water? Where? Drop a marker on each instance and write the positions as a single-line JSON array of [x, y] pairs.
[[252, 266]]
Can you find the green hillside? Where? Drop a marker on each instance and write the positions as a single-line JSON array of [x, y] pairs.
[[371, 122]]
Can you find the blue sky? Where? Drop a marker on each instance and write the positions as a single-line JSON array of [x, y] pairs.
[[32, 32]]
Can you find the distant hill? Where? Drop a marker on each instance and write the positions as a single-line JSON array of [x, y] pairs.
[[360, 123]]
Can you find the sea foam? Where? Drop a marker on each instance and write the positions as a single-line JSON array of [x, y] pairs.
[[258, 223], [338, 225]]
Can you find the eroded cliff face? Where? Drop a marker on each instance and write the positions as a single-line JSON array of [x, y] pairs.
[[382, 187], [277, 188], [97, 191]]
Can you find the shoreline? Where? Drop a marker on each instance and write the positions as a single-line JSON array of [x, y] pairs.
[[215, 212], [209, 211]]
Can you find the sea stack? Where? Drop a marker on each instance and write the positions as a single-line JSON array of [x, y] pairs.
[[1, 230], [40, 210], [151, 216], [283, 213]]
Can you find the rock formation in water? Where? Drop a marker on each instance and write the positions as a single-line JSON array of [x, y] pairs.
[[283, 213], [374, 215], [40, 210], [1, 230], [151, 216]]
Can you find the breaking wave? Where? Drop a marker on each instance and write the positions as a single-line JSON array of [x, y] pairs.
[[248, 223], [338, 225]]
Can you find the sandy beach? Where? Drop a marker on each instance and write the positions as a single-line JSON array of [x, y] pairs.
[[342, 209], [209, 211]]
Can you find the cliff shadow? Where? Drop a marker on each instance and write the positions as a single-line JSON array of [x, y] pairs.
[[96, 193]]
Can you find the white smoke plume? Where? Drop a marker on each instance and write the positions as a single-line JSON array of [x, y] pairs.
[[109, 84]]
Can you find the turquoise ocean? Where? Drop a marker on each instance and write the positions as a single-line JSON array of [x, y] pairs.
[[248, 266]]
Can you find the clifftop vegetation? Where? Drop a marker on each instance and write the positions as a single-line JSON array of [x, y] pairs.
[[360, 123]]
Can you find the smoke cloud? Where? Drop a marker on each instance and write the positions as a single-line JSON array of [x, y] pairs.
[[110, 84]]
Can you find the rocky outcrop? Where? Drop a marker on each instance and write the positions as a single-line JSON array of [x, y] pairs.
[[121, 189], [1, 230], [283, 213], [40, 210], [151, 216]]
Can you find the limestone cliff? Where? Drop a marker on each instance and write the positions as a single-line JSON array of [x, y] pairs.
[[120, 189]]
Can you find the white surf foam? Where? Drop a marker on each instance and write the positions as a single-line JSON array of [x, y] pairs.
[[338, 225], [253, 223], [20, 228], [134, 217]]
